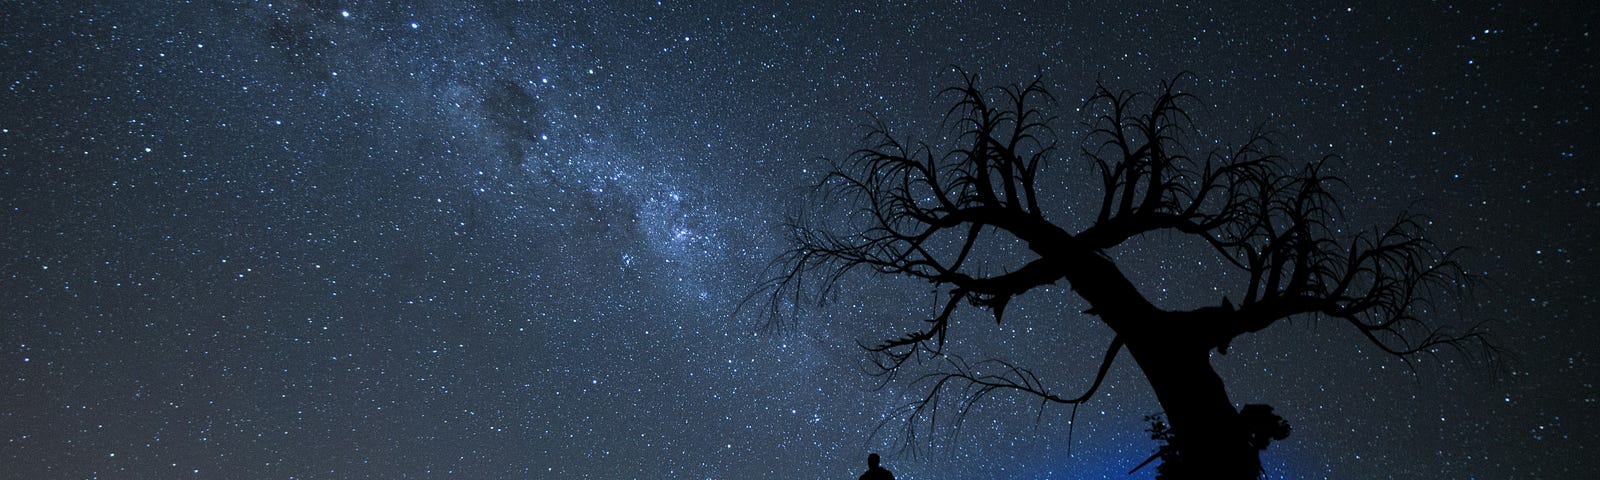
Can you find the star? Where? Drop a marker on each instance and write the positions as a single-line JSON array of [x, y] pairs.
[[252, 240]]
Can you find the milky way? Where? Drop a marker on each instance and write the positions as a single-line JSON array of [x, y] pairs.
[[330, 239]]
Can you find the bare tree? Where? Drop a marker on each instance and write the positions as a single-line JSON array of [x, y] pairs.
[[920, 212]]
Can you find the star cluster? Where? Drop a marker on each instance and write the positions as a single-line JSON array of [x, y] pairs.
[[327, 239]]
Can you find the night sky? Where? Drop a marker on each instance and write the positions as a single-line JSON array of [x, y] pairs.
[[325, 239]]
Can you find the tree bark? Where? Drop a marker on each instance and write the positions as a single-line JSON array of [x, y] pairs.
[[1174, 351], [1207, 434]]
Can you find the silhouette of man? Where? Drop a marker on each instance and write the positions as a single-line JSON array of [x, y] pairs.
[[875, 472]]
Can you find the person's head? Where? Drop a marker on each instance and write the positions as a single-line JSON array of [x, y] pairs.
[[872, 461]]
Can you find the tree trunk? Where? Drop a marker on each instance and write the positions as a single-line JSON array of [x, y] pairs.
[[1207, 435], [1173, 350]]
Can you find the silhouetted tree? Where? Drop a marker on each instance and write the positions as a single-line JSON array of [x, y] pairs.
[[919, 211]]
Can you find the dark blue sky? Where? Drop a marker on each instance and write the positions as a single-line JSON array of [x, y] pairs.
[[322, 239]]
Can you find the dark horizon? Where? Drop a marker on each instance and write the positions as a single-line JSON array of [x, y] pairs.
[[351, 240]]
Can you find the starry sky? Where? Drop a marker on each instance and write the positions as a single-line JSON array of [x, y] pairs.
[[329, 239]]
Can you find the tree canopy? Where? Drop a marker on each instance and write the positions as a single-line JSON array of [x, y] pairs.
[[921, 209]]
